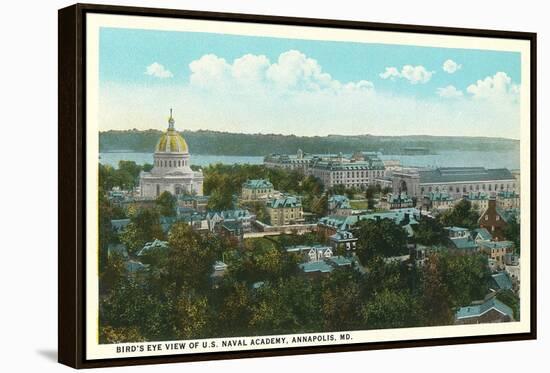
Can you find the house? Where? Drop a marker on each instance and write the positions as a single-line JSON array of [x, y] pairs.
[[312, 253], [316, 269], [339, 261], [457, 232], [511, 259], [118, 225], [508, 200], [329, 225], [501, 281], [343, 241], [494, 219], [461, 239], [232, 228], [117, 249], [153, 246], [256, 190], [481, 234], [197, 221], [215, 218], [135, 268], [392, 201], [496, 250], [324, 267], [438, 201], [197, 203], [488, 311], [513, 270], [286, 210], [464, 244], [478, 200], [339, 205], [219, 269]]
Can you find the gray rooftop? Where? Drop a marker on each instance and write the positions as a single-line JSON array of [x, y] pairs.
[[464, 174]]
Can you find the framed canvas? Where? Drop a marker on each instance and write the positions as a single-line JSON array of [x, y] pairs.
[[237, 185]]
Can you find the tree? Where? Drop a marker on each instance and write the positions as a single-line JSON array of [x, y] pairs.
[[260, 210], [461, 215], [144, 227], [191, 258], [234, 312], [112, 273], [392, 309], [130, 168], [380, 238], [512, 232], [450, 281], [110, 335], [341, 301], [167, 204], [429, 232], [192, 316], [147, 167], [371, 191], [220, 199]]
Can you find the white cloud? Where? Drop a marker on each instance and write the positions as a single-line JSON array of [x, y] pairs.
[[449, 91], [414, 74], [390, 73], [451, 66], [292, 73], [158, 70], [497, 87]]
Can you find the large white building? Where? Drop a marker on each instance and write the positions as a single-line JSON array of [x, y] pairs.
[[171, 169], [358, 170]]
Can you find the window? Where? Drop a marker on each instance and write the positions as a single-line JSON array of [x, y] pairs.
[[498, 217], [486, 217]]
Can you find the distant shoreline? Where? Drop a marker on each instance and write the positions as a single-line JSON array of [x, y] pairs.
[[238, 144]]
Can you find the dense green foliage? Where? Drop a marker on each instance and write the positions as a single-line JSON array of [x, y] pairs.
[[264, 292], [144, 227], [126, 176], [380, 238], [223, 143], [511, 300], [461, 215], [166, 203], [512, 232], [429, 232]]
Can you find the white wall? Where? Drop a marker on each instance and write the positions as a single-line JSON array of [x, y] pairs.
[[29, 183]]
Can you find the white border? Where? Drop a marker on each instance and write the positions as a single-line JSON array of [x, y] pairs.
[[94, 21]]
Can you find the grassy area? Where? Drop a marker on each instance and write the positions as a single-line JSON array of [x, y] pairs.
[[359, 204], [261, 243]]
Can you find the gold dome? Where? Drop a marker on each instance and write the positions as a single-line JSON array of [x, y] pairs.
[[171, 141]]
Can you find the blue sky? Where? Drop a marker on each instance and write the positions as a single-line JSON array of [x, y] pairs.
[[139, 68]]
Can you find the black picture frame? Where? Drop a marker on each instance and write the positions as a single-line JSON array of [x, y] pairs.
[[72, 185]]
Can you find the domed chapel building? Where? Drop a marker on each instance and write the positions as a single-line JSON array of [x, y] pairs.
[[171, 169]]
